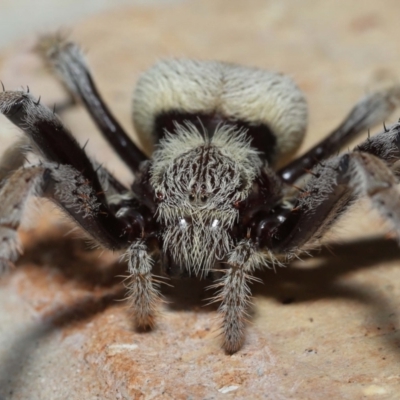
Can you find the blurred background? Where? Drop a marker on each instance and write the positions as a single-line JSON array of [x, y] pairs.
[[20, 17]]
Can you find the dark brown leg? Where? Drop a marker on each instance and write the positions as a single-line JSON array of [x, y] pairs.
[[71, 180], [368, 171], [66, 188], [370, 110], [47, 134], [66, 59]]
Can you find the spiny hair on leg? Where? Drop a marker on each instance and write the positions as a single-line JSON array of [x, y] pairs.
[[22, 184], [234, 292], [73, 190], [63, 58], [143, 289], [33, 111], [371, 177], [235, 295]]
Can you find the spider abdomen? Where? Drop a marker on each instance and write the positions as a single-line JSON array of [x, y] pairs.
[[208, 93]]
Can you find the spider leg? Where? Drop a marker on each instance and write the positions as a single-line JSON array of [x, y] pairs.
[[52, 139], [68, 189], [370, 110], [66, 59], [14, 195], [234, 292], [13, 158], [110, 184], [16, 155], [143, 289], [49, 138], [370, 170]]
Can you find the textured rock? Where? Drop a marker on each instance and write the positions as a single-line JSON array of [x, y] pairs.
[[326, 327]]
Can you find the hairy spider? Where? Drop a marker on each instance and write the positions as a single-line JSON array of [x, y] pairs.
[[210, 201]]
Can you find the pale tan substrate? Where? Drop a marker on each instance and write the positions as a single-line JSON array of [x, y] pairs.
[[337, 335]]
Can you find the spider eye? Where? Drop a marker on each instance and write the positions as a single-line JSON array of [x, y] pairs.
[[159, 196], [237, 204]]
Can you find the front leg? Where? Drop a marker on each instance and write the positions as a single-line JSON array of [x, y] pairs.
[[235, 293], [143, 289]]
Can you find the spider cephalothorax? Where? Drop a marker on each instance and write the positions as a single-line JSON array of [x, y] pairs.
[[210, 198], [199, 180]]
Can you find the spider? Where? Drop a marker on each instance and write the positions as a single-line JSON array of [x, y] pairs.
[[211, 201]]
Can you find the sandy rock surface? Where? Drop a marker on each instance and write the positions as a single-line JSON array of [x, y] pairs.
[[327, 327]]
